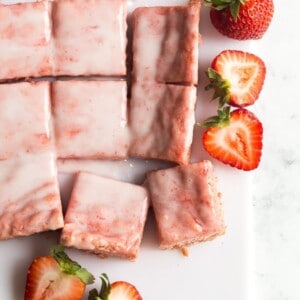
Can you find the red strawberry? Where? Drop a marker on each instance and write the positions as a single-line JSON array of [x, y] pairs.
[[238, 144], [241, 19], [124, 290], [119, 290], [237, 76], [56, 277]]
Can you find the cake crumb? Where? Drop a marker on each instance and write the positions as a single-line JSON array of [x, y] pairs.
[[185, 251]]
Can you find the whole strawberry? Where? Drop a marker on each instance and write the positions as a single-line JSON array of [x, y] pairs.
[[241, 19]]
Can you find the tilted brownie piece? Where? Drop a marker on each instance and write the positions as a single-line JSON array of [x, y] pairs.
[[165, 44], [29, 195], [105, 216], [90, 37], [24, 118], [25, 34], [186, 204], [162, 121], [90, 119]]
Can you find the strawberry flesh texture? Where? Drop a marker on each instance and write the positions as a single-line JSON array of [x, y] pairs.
[[45, 281], [121, 290], [246, 73], [253, 21], [239, 144]]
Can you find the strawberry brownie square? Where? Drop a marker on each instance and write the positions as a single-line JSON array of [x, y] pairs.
[[29, 195], [90, 119], [90, 37], [165, 44], [25, 34], [105, 216], [162, 121], [186, 204], [24, 118]]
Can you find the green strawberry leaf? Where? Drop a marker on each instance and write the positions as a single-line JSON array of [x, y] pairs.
[[105, 287], [221, 89], [93, 295], [221, 120], [220, 86], [104, 291], [233, 5], [69, 266]]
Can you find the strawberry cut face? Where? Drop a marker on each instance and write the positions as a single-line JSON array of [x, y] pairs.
[[119, 290], [122, 290], [242, 77], [56, 277], [46, 281], [246, 73], [239, 144]]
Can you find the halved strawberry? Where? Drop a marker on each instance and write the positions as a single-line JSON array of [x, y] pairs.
[[238, 144], [56, 277], [124, 290], [237, 77], [119, 290]]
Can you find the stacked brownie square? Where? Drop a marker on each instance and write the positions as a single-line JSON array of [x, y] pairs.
[[106, 217], [26, 40], [90, 37], [90, 119]]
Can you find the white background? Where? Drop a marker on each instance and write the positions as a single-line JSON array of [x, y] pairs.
[[277, 182]]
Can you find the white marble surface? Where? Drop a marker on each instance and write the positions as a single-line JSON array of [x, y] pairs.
[[276, 183]]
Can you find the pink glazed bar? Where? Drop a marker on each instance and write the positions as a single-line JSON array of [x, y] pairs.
[[29, 192], [24, 118], [90, 119], [90, 37], [25, 35], [162, 121], [165, 44], [186, 204], [29, 195], [105, 217]]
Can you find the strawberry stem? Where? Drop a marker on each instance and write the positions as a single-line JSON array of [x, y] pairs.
[[69, 266], [221, 120], [221, 87], [104, 291], [233, 5]]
